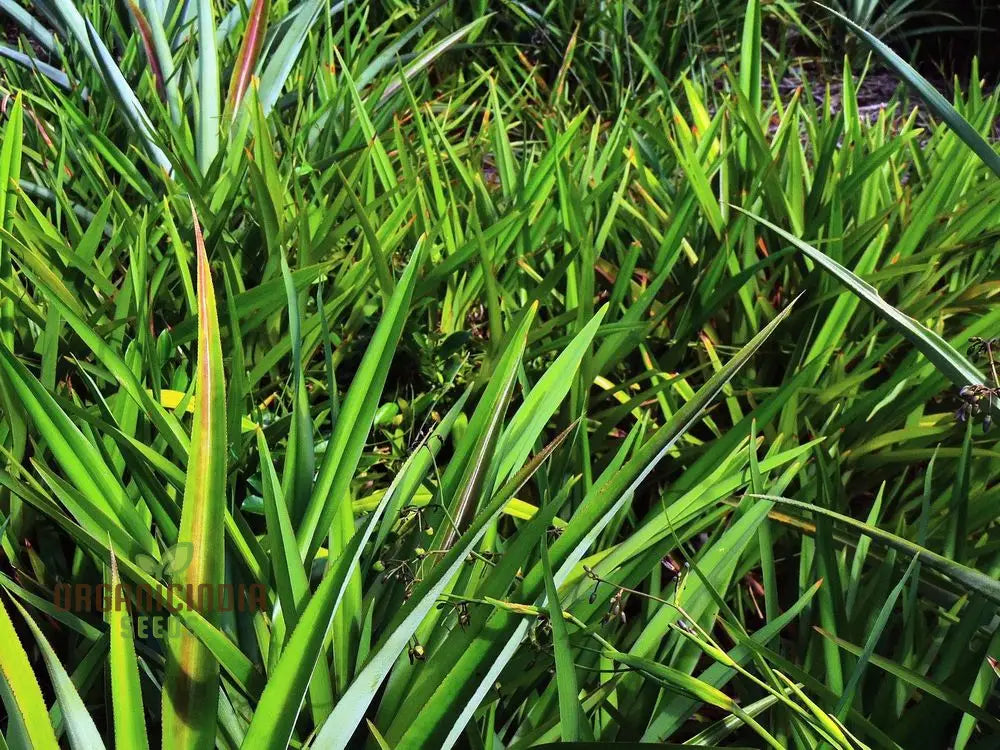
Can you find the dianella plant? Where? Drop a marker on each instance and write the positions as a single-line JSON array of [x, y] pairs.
[[412, 375]]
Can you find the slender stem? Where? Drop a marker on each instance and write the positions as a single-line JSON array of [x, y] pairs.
[[993, 364], [593, 576]]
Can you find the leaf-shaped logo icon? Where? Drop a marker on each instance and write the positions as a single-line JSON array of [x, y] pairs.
[[174, 560], [178, 557], [149, 564]]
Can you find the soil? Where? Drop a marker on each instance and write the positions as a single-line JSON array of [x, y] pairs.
[[878, 90]]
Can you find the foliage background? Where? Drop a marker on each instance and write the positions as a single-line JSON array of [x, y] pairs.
[[580, 372]]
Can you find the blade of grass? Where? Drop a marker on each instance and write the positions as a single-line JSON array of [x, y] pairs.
[[126, 693], [291, 579], [209, 97], [80, 727], [918, 681], [878, 626], [926, 91], [246, 60], [570, 719], [27, 718], [355, 418], [446, 719], [969, 577], [10, 173], [191, 689], [947, 360], [350, 710], [300, 454]]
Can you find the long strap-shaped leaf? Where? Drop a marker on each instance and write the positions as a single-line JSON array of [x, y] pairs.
[[425, 58], [158, 48], [80, 727], [951, 364], [10, 173], [37, 30], [79, 458], [102, 60], [969, 577], [941, 691], [678, 708], [571, 718], [346, 716], [300, 459], [290, 578], [475, 467], [460, 697], [243, 673], [169, 427], [246, 62], [191, 691], [874, 634], [931, 96], [130, 726], [355, 419], [281, 60], [28, 720], [209, 96], [471, 476], [544, 398], [274, 719]]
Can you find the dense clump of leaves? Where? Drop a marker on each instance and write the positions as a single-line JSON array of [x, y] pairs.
[[451, 360]]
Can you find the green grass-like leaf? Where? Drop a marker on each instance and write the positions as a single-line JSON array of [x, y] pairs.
[[191, 691]]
